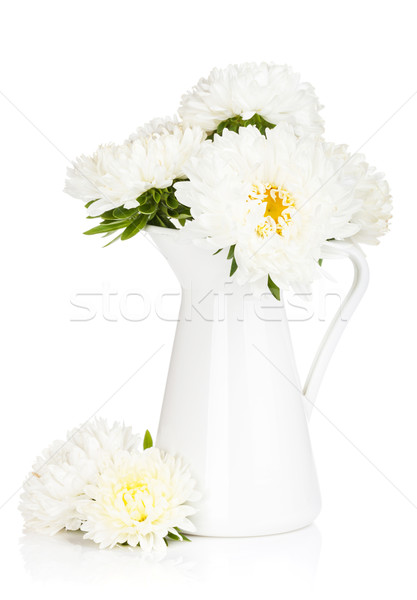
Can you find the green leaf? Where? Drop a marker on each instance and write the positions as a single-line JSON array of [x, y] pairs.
[[234, 124], [184, 537], [172, 213], [136, 225], [125, 213], [233, 267], [165, 222], [184, 209], [274, 289], [183, 216], [144, 197], [156, 221], [180, 537], [108, 214], [90, 203], [105, 227], [171, 201], [320, 261], [231, 253], [153, 195], [147, 440], [217, 251], [156, 206], [156, 194], [148, 208]]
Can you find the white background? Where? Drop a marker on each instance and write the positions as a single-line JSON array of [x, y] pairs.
[[85, 72]]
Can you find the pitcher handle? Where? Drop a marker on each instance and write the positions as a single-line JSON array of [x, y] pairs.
[[336, 249]]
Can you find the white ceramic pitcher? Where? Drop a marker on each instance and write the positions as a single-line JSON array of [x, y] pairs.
[[233, 405]]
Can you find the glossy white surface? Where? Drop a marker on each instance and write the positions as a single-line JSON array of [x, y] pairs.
[[69, 558], [233, 406], [336, 250]]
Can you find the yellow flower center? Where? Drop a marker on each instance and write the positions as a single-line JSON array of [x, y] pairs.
[[280, 207], [136, 497]]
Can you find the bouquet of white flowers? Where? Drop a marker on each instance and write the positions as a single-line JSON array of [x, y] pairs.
[[244, 167]]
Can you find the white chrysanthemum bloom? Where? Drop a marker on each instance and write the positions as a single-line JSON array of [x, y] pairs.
[[272, 91], [116, 175], [59, 476], [139, 499], [276, 198], [375, 214]]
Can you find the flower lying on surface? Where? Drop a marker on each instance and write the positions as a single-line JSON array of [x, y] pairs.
[[252, 94], [71, 487], [139, 499], [274, 199]]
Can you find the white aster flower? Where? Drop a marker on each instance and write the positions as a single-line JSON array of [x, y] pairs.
[[139, 499], [60, 474], [116, 175], [276, 198], [272, 91], [372, 189]]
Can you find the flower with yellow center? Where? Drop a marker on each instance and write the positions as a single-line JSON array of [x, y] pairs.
[[275, 199], [280, 206], [139, 500]]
